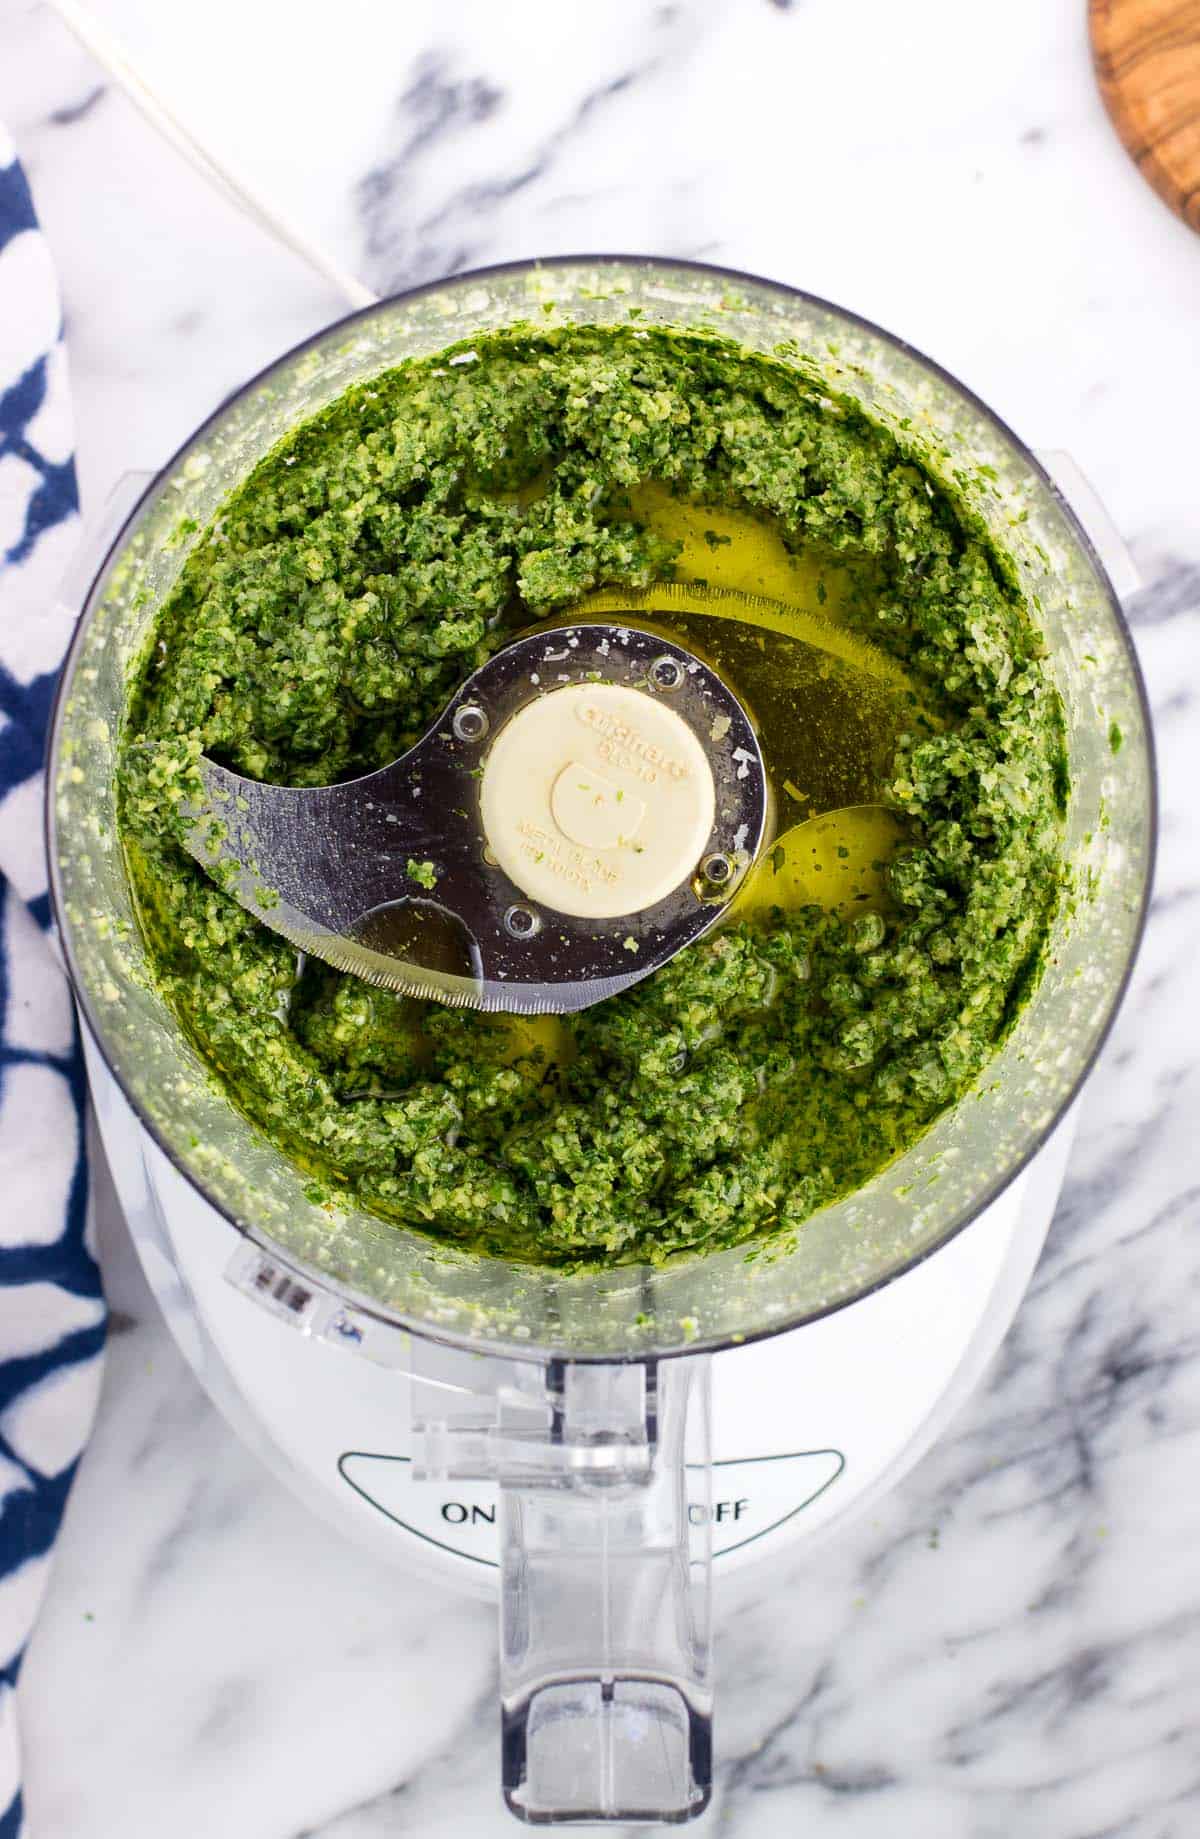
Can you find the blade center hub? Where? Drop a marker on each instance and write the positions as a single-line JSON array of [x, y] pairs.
[[597, 800]]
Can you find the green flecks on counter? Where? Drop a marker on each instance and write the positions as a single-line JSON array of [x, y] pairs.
[[381, 553]]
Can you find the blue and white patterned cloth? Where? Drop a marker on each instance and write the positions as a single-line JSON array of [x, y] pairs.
[[51, 1306]]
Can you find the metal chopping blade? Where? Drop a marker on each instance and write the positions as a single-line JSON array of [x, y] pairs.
[[390, 876]]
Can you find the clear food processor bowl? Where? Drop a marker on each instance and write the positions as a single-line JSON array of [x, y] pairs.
[[574, 1366]]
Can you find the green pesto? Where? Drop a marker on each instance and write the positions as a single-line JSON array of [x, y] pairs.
[[374, 559]]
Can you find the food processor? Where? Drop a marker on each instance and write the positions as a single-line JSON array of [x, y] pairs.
[[591, 1448]]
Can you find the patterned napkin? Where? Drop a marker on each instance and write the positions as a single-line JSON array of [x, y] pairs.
[[51, 1307]]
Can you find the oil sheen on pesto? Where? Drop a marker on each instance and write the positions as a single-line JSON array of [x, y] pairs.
[[374, 559]]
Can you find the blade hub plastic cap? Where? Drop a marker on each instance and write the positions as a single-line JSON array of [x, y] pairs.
[[597, 800]]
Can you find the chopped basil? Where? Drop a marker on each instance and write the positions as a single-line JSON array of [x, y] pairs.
[[347, 588]]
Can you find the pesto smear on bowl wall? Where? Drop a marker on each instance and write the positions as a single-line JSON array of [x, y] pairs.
[[374, 559]]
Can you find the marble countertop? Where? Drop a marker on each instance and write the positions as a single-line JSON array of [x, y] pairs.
[[1011, 1641]]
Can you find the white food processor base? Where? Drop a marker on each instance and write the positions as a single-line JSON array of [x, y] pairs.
[[804, 1433]]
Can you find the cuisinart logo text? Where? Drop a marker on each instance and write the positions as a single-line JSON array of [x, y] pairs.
[[624, 746]]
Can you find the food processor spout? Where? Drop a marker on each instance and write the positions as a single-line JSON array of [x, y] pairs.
[[605, 1491]]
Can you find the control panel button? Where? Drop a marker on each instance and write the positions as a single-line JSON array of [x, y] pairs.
[[458, 1516], [753, 1497]]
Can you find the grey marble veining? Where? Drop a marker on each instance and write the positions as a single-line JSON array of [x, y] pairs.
[[1010, 1642]]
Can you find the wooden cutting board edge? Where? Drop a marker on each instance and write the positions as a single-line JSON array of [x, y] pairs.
[[1147, 59]]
